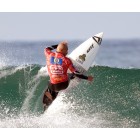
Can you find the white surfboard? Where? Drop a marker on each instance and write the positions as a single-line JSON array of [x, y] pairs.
[[83, 56]]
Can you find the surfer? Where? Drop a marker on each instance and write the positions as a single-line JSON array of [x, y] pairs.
[[57, 65]]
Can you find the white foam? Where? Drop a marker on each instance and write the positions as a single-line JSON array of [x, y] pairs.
[[43, 71], [59, 115], [10, 71]]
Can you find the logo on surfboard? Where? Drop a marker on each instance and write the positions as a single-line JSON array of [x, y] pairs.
[[91, 47], [81, 58]]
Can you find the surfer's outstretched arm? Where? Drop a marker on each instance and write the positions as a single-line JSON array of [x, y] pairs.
[[76, 73], [81, 76]]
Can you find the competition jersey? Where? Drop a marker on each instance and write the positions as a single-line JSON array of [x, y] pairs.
[[58, 65]]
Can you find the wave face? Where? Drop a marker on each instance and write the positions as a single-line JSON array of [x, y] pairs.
[[112, 100]]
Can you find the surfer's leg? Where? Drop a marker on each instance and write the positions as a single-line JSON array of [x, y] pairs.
[[60, 86], [49, 97], [52, 92], [46, 100]]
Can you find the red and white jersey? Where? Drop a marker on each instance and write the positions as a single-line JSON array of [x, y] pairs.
[[58, 66]]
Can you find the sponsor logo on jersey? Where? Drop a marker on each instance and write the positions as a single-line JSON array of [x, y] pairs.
[[56, 69], [55, 60]]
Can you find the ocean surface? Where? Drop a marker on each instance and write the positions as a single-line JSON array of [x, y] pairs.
[[112, 100]]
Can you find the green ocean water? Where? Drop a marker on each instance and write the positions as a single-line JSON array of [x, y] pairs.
[[111, 100]]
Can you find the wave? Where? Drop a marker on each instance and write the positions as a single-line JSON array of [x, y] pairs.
[[112, 100]]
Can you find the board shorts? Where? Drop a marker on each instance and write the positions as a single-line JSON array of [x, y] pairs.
[[54, 89]]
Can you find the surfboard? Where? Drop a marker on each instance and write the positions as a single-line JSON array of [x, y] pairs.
[[84, 55]]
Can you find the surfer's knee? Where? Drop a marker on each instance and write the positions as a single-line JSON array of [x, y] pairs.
[[46, 100]]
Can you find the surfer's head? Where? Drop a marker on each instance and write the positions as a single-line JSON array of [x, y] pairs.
[[62, 48]]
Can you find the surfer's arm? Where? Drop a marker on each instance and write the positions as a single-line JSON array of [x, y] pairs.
[[79, 75], [76, 73], [49, 49], [52, 47]]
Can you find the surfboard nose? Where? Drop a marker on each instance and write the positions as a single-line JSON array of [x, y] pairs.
[[100, 35], [98, 38]]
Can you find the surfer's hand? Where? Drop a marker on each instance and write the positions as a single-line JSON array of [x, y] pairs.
[[90, 78]]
